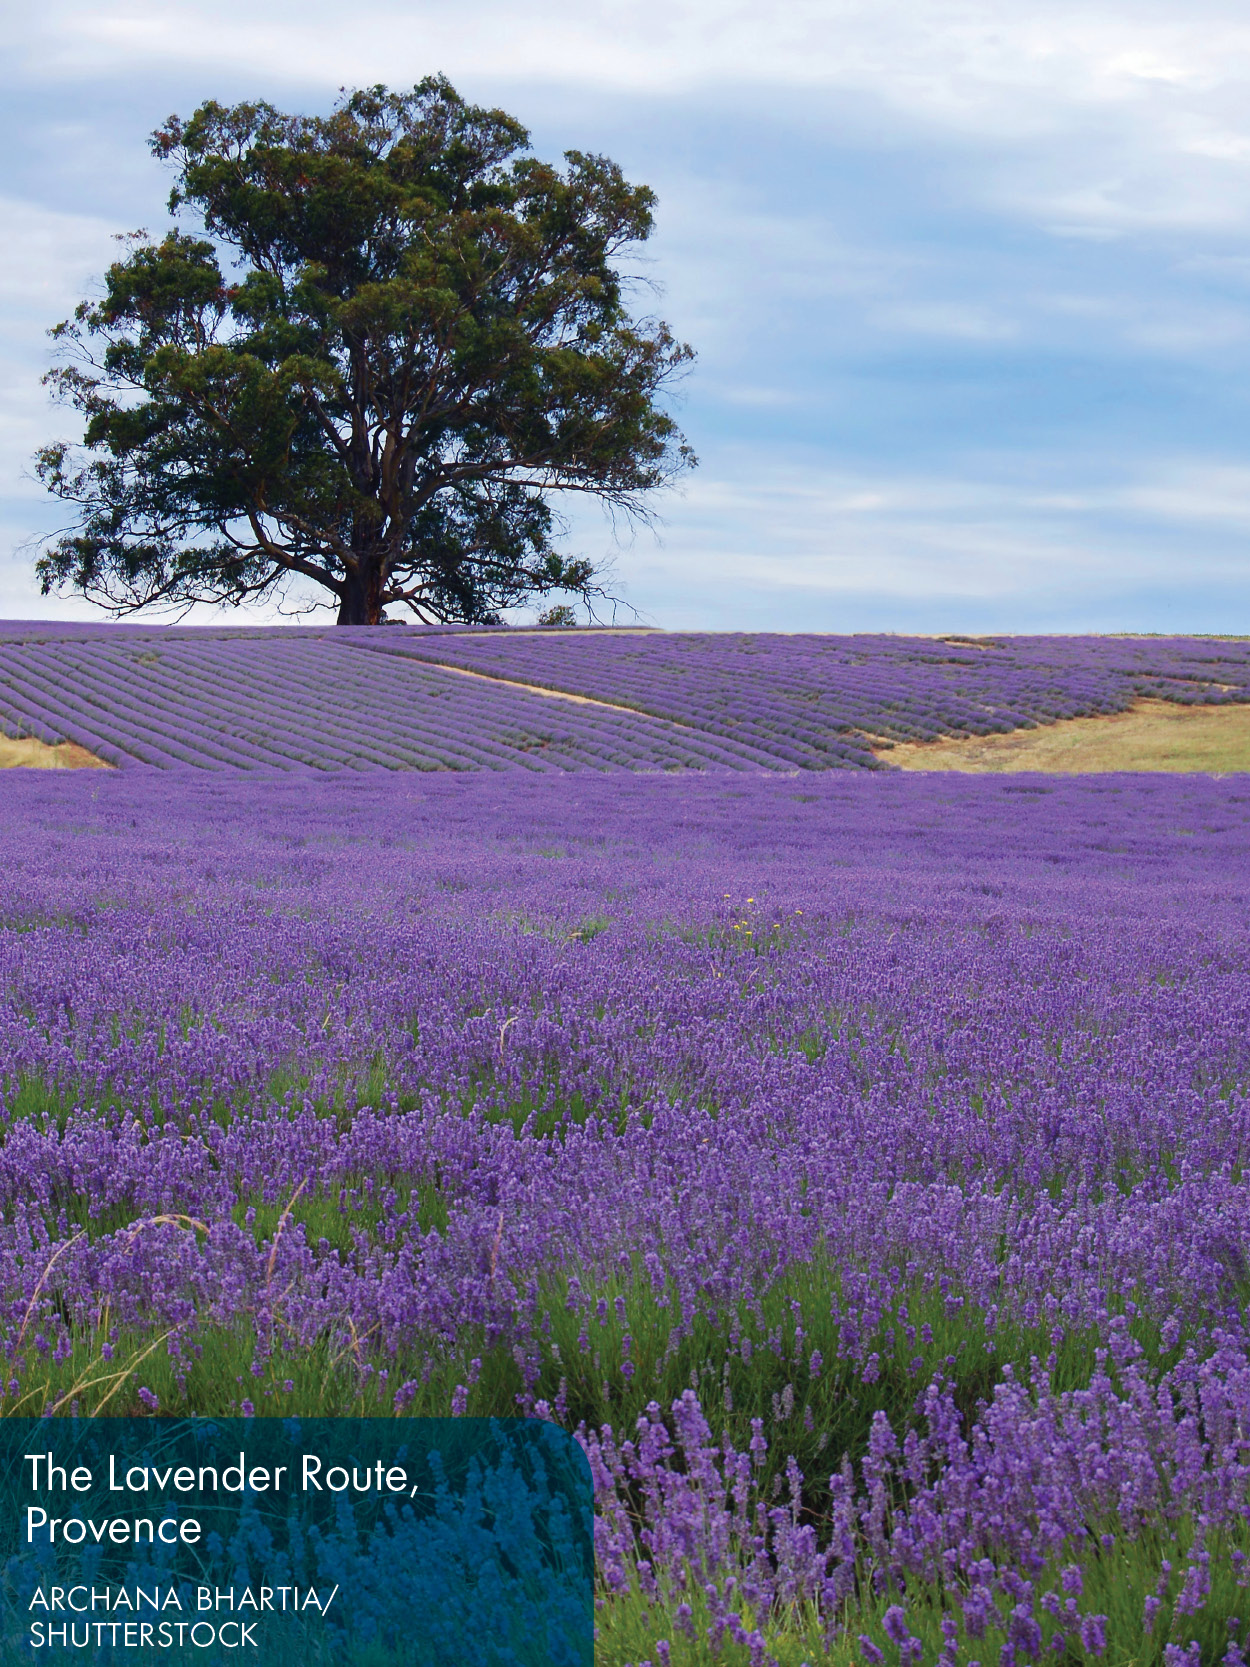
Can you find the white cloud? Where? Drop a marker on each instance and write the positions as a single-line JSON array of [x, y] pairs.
[[944, 542], [968, 184], [49, 257], [1194, 494], [1110, 116], [972, 61], [49, 262], [952, 319]]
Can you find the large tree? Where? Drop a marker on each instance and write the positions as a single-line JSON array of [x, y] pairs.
[[393, 336]]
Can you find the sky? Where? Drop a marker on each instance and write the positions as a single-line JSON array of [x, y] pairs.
[[968, 280]]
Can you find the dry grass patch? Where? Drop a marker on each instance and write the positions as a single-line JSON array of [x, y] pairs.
[[1153, 735], [25, 753]]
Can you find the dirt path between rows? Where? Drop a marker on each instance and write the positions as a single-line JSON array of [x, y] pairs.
[[538, 689]]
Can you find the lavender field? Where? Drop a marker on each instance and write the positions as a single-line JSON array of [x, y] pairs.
[[857, 1162], [821, 702], [306, 699], [289, 700]]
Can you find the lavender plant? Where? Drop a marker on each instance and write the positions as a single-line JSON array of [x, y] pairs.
[[857, 1164]]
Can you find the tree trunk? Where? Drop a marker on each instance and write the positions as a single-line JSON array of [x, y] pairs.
[[361, 600]]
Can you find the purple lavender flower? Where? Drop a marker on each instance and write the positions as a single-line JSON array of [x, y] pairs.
[[1094, 1634], [895, 1623]]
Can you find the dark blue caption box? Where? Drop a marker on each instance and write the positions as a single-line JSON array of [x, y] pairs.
[[348, 1542]]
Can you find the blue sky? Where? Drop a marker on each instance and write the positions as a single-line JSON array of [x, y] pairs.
[[969, 279]]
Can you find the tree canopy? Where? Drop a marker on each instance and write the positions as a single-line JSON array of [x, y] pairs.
[[392, 338]]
